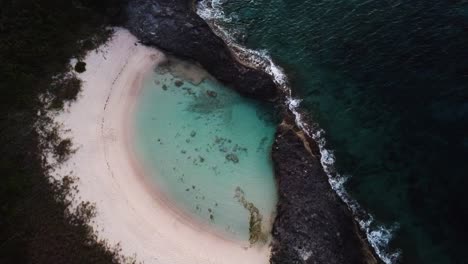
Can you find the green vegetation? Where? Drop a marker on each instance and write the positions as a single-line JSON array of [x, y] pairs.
[[37, 40], [256, 234]]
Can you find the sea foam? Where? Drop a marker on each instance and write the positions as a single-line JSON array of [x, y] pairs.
[[378, 235]]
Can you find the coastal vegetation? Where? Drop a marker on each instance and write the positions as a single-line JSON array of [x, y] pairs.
[[37, 40], [80, 67], [64, 89]]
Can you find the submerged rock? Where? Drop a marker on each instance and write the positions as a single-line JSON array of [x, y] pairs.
[[256, 232], [232, 157], [179, 83], [173, 26], [212, 93]]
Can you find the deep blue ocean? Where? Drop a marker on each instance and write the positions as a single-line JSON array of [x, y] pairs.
[[387, 80]]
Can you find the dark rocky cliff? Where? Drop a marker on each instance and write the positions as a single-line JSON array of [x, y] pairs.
[[173, 26], [312, 224]]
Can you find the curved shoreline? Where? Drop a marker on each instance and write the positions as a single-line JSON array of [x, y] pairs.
[[127, 210], [142, 171]]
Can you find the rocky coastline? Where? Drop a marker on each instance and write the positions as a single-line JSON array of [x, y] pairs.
[[173, 26], [312, 224]]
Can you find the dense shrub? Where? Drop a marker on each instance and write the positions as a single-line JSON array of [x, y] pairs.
[[37, 39], [80, 67], [64, 90]]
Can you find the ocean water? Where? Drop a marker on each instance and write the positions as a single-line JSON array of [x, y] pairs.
[[385, 85], [207, 149]]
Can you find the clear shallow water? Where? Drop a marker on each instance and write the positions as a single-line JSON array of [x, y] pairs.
[[201, 143], [387, 81]]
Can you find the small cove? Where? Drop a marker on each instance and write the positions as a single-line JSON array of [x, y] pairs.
[[208, 150]]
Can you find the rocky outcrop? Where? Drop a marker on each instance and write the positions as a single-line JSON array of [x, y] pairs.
[[173, 26], [312, 224]]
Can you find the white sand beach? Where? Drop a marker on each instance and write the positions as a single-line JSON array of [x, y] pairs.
[[129, 211]]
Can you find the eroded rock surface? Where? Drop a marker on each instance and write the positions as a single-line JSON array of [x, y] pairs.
[[173, 26], [312, 224]]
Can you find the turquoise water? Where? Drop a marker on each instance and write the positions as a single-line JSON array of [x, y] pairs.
[[201, 142]]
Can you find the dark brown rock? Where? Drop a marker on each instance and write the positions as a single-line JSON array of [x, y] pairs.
[[173, 26], [312, 224]]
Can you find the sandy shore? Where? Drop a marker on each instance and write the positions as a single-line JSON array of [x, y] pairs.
[[128, 210]]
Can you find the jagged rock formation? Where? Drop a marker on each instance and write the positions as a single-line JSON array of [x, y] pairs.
[[312, 224], [173, 26]]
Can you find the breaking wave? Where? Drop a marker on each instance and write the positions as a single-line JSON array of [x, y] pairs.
[[378, 235]]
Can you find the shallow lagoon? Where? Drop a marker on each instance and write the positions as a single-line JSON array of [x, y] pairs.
[[207, 149]]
